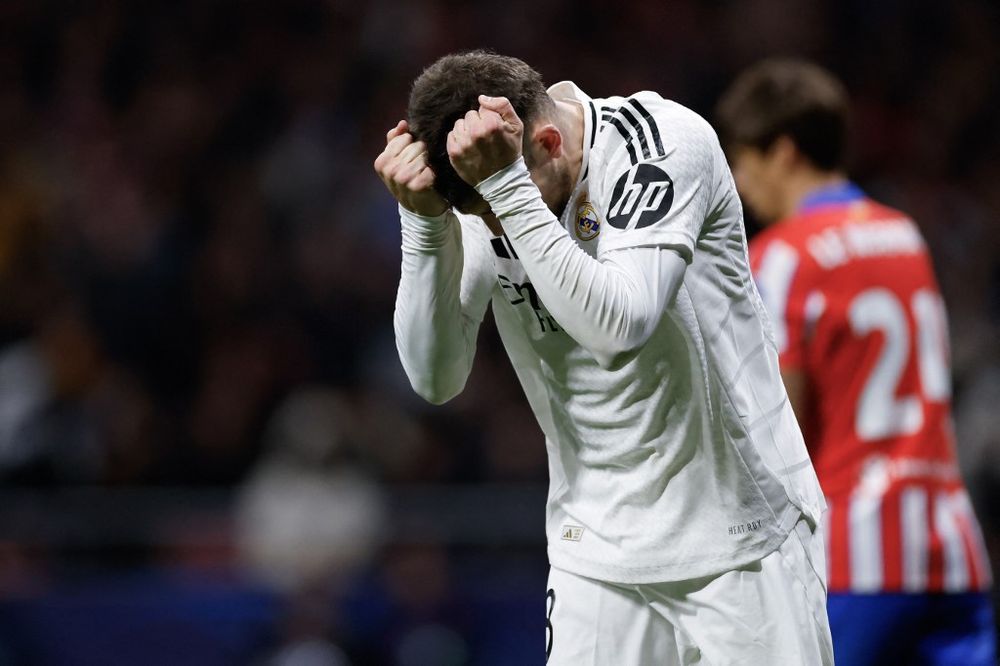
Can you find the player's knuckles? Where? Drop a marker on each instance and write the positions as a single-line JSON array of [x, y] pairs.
[[406, 174], [418, 184], [494, 123], [409, 173], [382, 162], [423, 182], [420, 188], [481, 132], [486, 137], [407, 177], [399, 143], [401, 173], [393, 169], [386, 157], [410, 153]]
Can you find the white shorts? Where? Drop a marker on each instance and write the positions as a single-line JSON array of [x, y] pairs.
[[769, 613]]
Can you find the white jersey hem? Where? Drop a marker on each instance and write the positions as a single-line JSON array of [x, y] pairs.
[[678, 571]]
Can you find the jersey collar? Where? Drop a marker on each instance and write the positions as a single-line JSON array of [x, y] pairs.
[[841, 193], [569, 91]]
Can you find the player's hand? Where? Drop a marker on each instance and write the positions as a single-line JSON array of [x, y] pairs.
[[485, 141], [403, 168]]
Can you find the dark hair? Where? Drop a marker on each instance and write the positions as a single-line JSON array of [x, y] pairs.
[[791, 98], [450, 88]]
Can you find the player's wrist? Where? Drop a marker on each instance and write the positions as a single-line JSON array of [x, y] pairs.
[[491, 184], [509, 189]]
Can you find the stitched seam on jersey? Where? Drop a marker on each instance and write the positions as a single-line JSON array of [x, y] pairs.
[[602, 590], [725, 390], [814, 534], [797, 466], [748, 291], [795, 575], [753, 392], [739, 453], [767, 415], [760, 408], [722, 324], [744, 363], [662, 238], [699, 344]]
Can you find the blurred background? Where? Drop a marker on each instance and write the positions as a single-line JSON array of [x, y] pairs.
[[208, 451]]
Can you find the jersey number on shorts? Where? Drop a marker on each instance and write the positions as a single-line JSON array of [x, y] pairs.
[[880, 414]]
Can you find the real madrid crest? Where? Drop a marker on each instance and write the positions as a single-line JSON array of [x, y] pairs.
[[588, 225]]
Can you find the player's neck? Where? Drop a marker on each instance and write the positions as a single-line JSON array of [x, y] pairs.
[[803, 183], [571, 124]]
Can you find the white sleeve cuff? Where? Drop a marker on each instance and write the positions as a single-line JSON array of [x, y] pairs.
[[407, 215], [495, 183], [510, 189], [515, 199], [422, 233]]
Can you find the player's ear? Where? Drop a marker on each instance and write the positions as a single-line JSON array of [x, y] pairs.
[[548, 140]]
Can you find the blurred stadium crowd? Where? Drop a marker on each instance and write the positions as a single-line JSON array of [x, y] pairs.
[[197, 275]]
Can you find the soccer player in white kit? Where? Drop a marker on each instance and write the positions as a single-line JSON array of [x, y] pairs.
[[608, 237]]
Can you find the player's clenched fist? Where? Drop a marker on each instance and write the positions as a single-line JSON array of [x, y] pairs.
[[485, 141], [403, 168]]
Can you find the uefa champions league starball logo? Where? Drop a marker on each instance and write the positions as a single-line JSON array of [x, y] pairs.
[[588, 225]]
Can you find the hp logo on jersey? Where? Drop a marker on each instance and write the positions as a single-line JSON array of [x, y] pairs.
[[641, 196]]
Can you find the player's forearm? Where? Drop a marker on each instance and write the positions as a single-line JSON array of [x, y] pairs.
[[432, 337], [612, 307]]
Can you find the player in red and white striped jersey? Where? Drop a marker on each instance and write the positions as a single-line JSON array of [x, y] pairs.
[[862, 337]]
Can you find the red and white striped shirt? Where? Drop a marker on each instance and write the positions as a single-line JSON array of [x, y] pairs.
[[851, 293]]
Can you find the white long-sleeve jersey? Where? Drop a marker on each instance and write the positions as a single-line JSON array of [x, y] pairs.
[[640, 341]]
